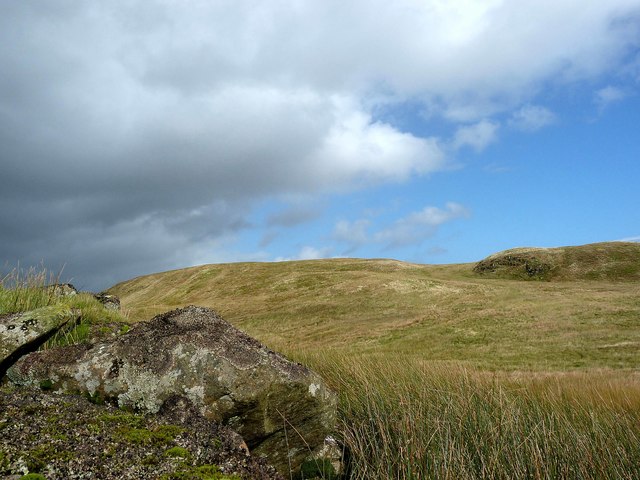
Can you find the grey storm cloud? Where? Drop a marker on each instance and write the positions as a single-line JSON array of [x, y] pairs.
[[137, 136]]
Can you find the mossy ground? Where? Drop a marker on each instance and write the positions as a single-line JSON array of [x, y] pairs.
[[65, 437]]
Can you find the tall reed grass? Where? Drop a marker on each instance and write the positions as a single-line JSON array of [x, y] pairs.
[[403, 419]]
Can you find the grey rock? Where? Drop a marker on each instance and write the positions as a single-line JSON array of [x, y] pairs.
[[61, 289], [283, 410], [110, 302], [22, 333]]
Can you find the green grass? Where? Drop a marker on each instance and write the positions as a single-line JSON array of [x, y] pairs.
[[22, 291]]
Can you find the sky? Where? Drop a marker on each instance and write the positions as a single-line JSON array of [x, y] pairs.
[[142, 136]]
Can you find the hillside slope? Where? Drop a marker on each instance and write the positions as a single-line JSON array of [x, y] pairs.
[[616, 261], [437, 313]]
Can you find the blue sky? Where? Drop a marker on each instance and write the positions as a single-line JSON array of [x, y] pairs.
[[137, 137]]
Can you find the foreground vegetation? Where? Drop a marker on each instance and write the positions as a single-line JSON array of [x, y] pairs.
[[444, 373], [403, 418]]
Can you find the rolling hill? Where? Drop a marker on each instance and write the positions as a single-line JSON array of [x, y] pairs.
[[586, 315], [615, 261]]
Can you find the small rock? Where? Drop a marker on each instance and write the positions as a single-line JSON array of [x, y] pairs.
[[110, 302], [61, 289]]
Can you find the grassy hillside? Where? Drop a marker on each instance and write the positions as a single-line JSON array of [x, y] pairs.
[[408, 347], [435, 313], [614, 261]]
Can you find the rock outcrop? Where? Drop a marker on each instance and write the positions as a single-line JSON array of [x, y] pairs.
[[608, 261], [23, 332], [282, 410], [519, 263]]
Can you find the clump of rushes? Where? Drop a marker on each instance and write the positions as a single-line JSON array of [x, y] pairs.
[[403, 419]]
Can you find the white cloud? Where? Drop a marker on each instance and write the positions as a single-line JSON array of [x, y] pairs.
[[630, 239], [408, 230], [353, 233], [417, 226], [531, 118], [608, 95], [477, 136], [308, 253], [356, 149]]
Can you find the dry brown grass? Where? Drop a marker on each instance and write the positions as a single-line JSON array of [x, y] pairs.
[[438, 312]]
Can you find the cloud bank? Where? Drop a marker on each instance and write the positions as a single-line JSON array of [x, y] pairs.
[[138, 136]]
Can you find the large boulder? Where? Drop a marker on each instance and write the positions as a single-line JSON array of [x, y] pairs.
[[22, 333], [282, 409]]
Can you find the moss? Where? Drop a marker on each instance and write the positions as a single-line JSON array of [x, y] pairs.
[[321, 468], [122, 418], [94, 428], [33, 476], [142, 436], [124, 329], [96, 398], [31, 409], [167, 433], [178, 452], [106, 330], [150, 460], [38, 458], [46, 384], [202, 472]]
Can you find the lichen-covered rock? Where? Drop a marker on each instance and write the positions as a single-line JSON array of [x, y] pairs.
[[21, 333], [282, 409], [110, 302], [61, 289]]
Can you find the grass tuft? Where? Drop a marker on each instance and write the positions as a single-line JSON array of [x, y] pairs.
[[25, 290]]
